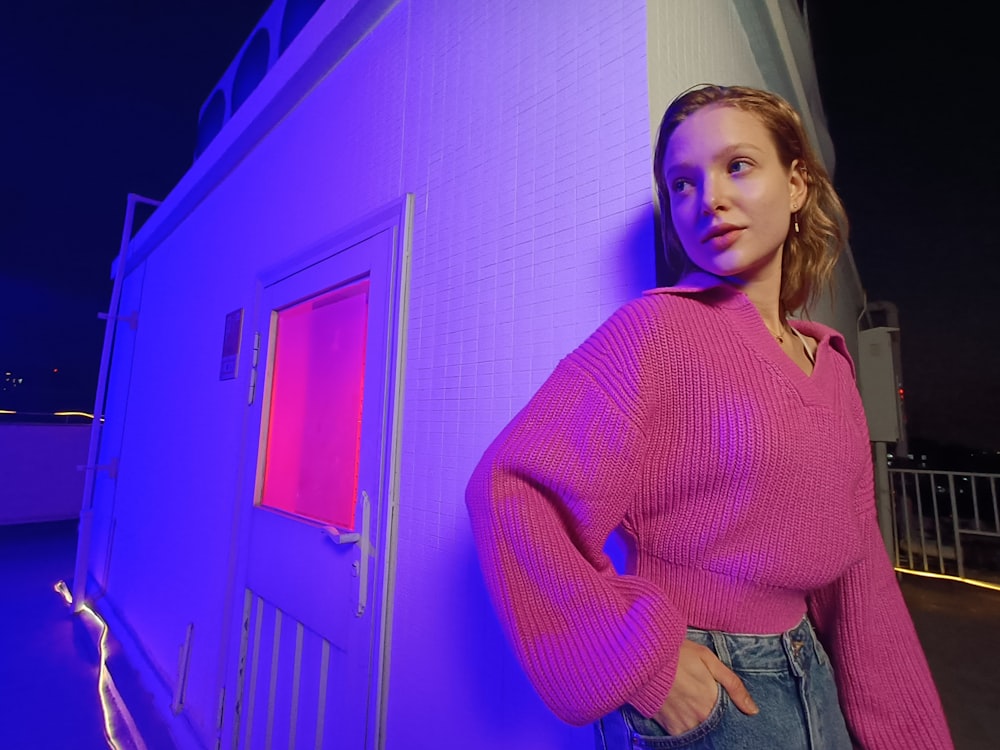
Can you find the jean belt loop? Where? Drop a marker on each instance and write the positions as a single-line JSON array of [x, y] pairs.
[[816, 643], [721, 647]]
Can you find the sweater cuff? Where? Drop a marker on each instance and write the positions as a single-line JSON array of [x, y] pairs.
[[650, 698]]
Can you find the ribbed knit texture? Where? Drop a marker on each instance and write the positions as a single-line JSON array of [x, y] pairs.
[[744, 489]]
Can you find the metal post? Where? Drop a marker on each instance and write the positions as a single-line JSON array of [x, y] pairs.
[[883, 496], [955, 527]]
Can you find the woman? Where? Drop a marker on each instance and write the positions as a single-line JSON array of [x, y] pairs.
[[728, 444]]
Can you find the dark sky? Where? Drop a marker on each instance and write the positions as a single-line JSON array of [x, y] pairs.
[[908, 96], [101, 99]]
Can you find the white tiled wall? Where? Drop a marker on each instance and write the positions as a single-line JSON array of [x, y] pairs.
[[528, 144], [692, 42]]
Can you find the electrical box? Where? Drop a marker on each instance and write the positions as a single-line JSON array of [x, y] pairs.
[[879, 384]]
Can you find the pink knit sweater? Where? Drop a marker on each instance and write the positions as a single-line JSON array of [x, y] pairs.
[[744, 490]]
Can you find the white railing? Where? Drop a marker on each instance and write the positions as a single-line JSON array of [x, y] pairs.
[[946, 522]]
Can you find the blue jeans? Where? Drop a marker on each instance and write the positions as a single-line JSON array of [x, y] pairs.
[[790, 679]]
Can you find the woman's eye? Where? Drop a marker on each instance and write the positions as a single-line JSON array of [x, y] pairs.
[[679, 186], [739, 165]]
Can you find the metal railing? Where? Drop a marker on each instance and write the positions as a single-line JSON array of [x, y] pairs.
[[946, 522]]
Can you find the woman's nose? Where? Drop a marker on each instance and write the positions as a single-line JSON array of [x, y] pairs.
[[713, 194]]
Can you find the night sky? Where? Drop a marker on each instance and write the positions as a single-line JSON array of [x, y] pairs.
[[101, 99], [909, 104]]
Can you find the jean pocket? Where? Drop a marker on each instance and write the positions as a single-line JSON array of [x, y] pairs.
[[647, 734]]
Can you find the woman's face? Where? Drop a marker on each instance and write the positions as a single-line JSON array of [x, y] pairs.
[[731, 198]]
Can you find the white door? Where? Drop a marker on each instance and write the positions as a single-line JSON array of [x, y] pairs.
[[319, 518]]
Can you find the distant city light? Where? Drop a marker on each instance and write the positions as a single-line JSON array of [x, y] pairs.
[[10, 381]]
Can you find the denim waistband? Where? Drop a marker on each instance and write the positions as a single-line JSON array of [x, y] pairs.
[[749, 653]]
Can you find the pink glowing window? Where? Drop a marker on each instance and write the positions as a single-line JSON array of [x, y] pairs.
[[313, 428]]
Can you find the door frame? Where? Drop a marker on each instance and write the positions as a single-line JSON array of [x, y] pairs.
[[397, 217]]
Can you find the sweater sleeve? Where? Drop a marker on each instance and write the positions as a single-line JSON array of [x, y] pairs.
[[886, 689], [542, 502]]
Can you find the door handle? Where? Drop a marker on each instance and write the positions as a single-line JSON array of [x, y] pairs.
[[360, 538], [364, 546], [337, 536]]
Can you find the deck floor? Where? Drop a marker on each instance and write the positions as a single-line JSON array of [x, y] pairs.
[[49, 668]]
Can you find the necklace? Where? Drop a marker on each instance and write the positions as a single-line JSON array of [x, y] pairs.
[[779, 337]]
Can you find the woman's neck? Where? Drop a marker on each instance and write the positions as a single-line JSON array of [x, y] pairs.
[[764, 291]]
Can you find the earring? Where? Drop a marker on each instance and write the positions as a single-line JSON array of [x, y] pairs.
[[795, 220]]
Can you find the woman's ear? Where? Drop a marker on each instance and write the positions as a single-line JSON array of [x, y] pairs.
[[798, 184]]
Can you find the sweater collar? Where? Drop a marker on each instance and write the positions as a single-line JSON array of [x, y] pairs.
[[721, 294], [692, 282], [703, 284]]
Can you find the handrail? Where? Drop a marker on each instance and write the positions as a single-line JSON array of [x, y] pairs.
[[900, 469], [943, 525]]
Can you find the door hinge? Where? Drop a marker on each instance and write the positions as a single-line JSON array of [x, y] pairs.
[[253, 367]]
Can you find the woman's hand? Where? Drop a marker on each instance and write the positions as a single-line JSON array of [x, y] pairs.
[[694, 692]]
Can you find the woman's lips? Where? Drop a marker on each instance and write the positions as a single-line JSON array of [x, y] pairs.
[[721, 238]]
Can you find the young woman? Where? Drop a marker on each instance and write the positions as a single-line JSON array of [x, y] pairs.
[[727, 443]]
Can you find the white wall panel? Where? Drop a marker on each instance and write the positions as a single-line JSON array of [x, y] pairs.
[[39, 466]]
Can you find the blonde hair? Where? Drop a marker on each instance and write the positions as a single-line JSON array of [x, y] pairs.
[[811, 253]]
